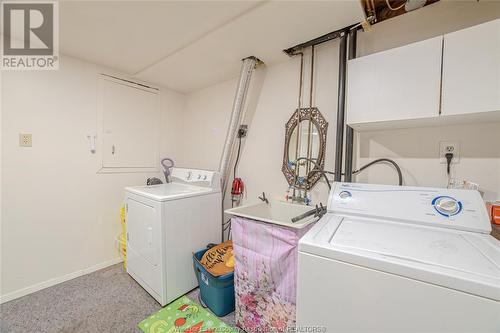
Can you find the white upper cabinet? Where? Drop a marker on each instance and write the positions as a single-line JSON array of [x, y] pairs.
[[471, 70], [395, 85], [129, 121]]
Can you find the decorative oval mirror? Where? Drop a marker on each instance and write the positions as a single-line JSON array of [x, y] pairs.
[[305, 146]]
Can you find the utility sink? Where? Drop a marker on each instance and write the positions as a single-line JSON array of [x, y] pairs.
[[275, 212]]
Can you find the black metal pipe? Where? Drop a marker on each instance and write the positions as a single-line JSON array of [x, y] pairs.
[[353, 36], [318, 40], [349, 142], [341, 107], [349, 134]]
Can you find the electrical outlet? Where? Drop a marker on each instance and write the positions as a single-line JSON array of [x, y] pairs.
[[446, 147], [242, 131], [24, 140]]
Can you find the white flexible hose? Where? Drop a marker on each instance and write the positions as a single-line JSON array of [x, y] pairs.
[[239, 101]]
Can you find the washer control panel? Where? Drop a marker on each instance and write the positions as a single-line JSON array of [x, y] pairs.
[[345, 195], [447, 206], [451, 208], [196, 177]]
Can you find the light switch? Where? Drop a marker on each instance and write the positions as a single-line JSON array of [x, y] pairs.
[[24, 140]]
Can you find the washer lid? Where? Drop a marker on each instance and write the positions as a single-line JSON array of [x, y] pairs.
[[170, 191], [460, 260]]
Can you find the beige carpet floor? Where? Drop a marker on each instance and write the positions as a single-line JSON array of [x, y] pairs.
[[105, 301]]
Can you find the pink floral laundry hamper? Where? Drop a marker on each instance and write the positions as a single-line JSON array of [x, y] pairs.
[[265, 275]]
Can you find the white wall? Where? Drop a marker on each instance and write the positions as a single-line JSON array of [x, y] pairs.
[[205, 120], [272, 100], [416, 150], [1, 178], [59, 216], [430, 21], [207, 115]]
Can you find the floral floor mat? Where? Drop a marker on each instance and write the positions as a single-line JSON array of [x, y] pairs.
[[184, 315]]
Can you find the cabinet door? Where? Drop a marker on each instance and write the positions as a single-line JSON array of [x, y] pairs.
[[471, 70], [144, 244], [397, 84], [143, 230], [130, 117]]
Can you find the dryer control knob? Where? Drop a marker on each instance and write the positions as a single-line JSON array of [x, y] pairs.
[[188, 175]]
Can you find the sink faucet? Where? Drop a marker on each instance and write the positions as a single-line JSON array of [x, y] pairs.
[[299, 186], [296, 194], [263, 198], [299, 191], [319, 211]]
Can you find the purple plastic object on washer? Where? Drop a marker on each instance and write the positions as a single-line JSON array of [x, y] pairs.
[[167, 167]]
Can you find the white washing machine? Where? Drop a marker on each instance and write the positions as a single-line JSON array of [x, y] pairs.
[[400, 259], [165, 224]]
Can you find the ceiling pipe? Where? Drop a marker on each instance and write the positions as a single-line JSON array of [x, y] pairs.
[[247, 68]]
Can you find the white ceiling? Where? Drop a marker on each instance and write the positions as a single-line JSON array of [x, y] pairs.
[[188, 45]]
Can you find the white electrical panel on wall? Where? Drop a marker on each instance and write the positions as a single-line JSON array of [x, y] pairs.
[[130, 121]]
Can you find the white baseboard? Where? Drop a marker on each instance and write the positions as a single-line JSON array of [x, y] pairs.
[[49, 283]]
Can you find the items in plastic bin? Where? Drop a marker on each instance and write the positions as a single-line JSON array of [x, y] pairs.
[[219, 259]]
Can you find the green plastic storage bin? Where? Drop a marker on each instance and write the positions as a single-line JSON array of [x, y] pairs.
[[217, 292]]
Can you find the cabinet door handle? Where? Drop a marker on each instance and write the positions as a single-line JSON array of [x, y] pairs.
[[113, 149], [150, 236]]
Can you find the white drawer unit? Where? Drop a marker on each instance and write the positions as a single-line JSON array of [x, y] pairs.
[[165, 224]]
